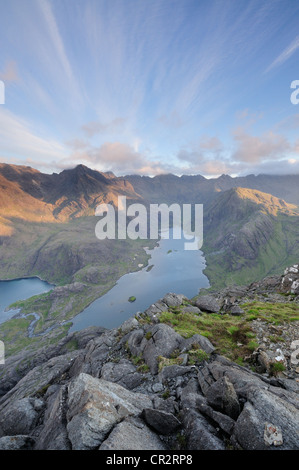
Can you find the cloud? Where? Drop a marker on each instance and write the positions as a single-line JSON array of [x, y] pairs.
[[255, 149], [118, 157], [288, 123], [55, 38], [285, 55], [17, 139], [114, 126], [10, 73], [208, 148], [270, 153]]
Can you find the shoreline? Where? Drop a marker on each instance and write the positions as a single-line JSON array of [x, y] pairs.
[[28, 277]]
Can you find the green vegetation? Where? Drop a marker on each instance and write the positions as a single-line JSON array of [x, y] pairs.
[[132, 298], [143, 368], [196, 356], [13, 333], [275, 313], [181, 440], [276, 367], [139, 362], [232, 336], [166, 361]]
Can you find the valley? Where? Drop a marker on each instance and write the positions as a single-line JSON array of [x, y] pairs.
[[48, 231]]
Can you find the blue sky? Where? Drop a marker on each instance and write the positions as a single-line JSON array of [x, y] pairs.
[[150, 86]]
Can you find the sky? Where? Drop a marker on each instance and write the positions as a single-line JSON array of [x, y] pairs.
[[150, 86]]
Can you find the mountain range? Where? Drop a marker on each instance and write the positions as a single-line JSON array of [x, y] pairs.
[[251, 223]]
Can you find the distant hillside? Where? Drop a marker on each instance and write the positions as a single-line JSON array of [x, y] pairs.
[[196, 188], [29, 195], [248, 234]]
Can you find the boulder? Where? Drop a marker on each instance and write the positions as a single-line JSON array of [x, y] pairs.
[[263, 407], [91, 360], [95, 406], [171, 372], [135, 342], [191, 309], [236, 310], [53, 435], [223, 421], [200, 434], [124, 373], [173, 300], [132, 434], [198, 340], [129, 325], [208, 303], [16, 443], [163, 342], [222, 397], [161, 421], [20, 417], [39, 378]]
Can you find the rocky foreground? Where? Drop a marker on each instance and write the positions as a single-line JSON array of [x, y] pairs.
[[143, 386]]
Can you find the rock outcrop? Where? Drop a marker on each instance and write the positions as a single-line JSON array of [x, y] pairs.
[[135, 388]]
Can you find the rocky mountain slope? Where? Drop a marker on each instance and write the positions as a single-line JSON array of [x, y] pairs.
[[30, 195], [161, 382], [249, 234]]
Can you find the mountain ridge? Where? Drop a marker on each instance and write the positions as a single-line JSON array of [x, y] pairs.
[[239, 222], [248, 233]]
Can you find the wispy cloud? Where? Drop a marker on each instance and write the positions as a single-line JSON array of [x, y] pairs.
[[55, 37], [285, 55], [19, 139], [95, 127], [131, 86]]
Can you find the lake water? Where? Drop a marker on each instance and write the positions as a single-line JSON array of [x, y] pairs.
[[174, 270], [19, 289]]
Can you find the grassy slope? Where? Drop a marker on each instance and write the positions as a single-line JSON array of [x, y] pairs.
[[232, 336]]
